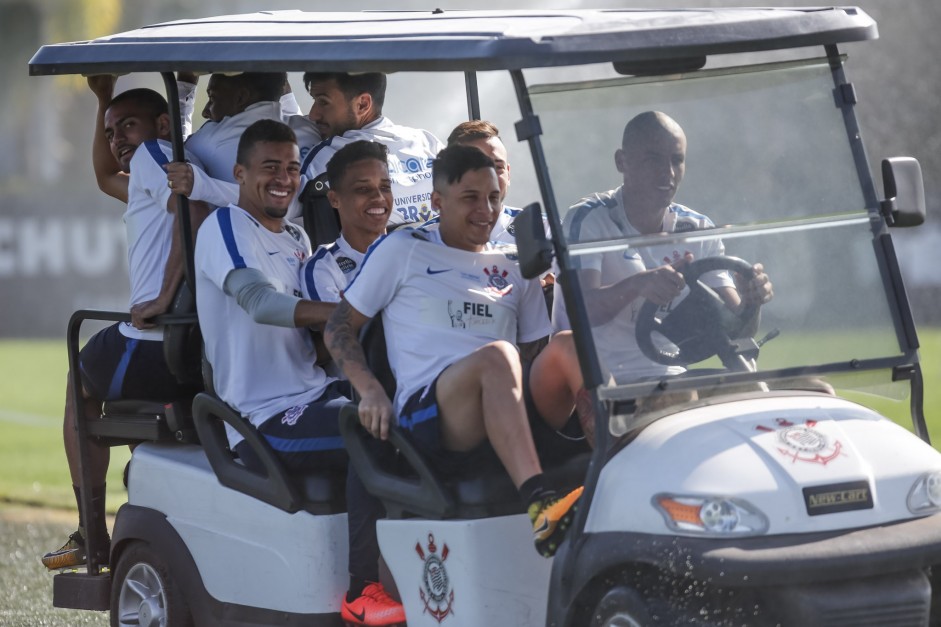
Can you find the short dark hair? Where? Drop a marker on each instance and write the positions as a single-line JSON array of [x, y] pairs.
[[263, 131], [352, 153], [151, 101], [352, 85], [266, 86], [472, 130], [455, 161]]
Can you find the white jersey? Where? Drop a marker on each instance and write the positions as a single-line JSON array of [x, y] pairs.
[[258, 369], [149, 226], [216, 143], [602, 216], [326, 275], [411, 152], [440, 303]]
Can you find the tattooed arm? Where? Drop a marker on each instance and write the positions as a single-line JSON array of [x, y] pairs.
[[342, 338]]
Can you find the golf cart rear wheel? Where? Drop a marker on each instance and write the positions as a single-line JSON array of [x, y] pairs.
[[621, 607], [144, 594]]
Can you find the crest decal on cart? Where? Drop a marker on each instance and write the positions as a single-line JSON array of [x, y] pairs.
[[437, 594], [801, 442]]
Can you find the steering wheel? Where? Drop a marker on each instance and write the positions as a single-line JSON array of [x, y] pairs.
[[701, 325]]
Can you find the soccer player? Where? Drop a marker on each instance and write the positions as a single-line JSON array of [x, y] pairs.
[[459, 386], [252, 318], [361, 192], [126, 360], [235, 102], [347, 108]]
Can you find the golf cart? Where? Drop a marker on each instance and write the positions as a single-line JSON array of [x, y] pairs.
[[754, 484]]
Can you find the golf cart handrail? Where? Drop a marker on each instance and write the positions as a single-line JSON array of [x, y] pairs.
[[449, 40]]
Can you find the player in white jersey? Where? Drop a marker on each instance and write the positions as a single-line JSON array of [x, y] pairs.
[[111, 179], [652, 161], [126, 361], [361, 192], [251, 313], [459, 380], [235, 102], [348, 108]]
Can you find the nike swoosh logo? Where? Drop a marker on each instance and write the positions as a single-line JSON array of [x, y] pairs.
[[430, 271], [274, 253], [544, 527], [361, 617]]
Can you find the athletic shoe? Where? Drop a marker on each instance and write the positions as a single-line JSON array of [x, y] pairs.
[[551, 519], [373, 607], [70, 555]]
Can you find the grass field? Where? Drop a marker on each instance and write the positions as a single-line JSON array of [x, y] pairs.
[[33, 469]]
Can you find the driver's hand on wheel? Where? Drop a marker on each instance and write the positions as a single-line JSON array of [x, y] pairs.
[[661, 285], [758, 290]]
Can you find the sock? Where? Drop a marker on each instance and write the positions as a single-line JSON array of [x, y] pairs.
[[356, 588], [534, 490]]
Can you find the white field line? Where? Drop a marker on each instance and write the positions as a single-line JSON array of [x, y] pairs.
[[33, 420]]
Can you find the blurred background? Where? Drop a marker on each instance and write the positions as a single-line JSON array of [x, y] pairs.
[[62, 242]]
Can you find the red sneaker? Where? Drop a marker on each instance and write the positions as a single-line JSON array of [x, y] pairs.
[[374, 607]]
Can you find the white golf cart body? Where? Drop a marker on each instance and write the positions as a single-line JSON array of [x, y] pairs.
[[748, 490]]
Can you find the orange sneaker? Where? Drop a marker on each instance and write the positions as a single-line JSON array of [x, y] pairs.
[[373, 607], [551, 519]]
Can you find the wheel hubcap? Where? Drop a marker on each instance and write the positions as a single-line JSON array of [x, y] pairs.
[[143, 599]]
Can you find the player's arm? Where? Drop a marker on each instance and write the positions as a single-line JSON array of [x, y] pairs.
[[173, 270], [660, 285], [111, 180], [342, 339]]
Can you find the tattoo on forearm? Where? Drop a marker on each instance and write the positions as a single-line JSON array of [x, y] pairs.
[[341, 339]]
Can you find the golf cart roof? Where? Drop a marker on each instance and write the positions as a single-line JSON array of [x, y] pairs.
[[448, 40]]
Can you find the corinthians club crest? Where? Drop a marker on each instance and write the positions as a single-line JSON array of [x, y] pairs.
[[437, 594], [498, 282], [801, 442]]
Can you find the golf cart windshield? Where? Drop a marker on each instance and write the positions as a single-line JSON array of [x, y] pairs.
[[771, 177]]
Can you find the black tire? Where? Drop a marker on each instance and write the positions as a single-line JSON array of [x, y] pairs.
[[144, 593], [621, 607]]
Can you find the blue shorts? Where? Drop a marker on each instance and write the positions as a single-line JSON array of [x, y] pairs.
[[113, 366], [307, 437], [421, 422]]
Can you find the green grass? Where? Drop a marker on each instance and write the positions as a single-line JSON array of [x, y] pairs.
[[33, 468], [32, 392]]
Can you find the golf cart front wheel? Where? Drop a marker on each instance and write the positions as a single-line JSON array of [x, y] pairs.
[[144, 594], [621, 607]]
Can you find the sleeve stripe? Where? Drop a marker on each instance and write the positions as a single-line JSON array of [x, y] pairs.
[[309, 274], [228, 236], [313, 153], [153, 147]]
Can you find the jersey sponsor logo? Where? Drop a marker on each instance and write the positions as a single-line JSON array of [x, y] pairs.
[[346, 264], [466, 314], [436, 592], [414, 213], [498, 282], [430, 271], [410, 165], [290, 416]]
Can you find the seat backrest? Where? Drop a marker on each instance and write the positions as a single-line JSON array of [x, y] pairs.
[[321, 220], [317, 493], [182, 339]]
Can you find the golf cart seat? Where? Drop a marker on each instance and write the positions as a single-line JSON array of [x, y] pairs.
[[401, 477], [126, 421], [321, 220], [317, 492]]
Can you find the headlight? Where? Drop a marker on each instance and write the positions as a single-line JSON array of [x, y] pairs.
[[925, 495], [710, 515]]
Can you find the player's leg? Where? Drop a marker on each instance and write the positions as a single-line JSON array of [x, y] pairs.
[[555, 380], [480, 397]]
